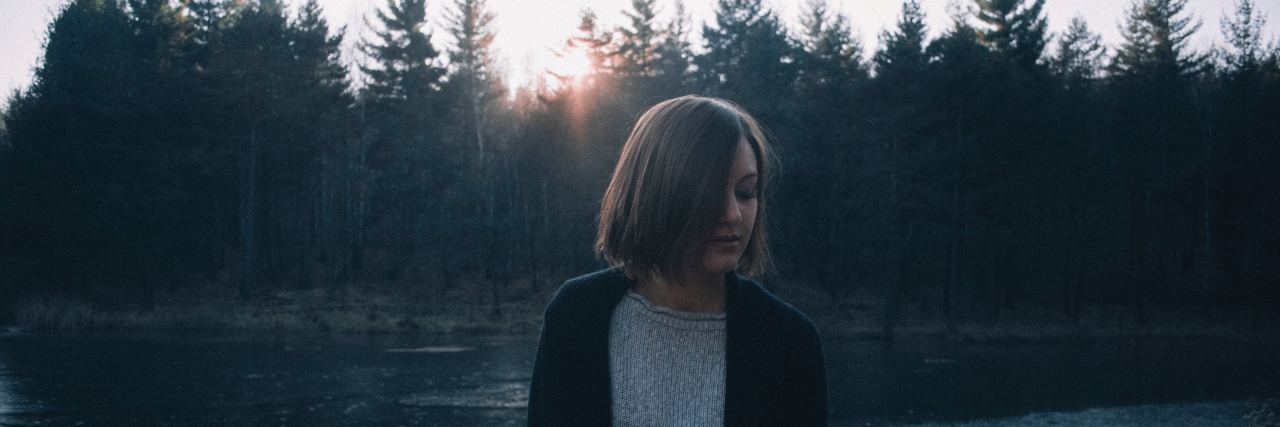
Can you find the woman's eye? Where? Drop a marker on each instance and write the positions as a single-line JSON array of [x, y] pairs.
[[746, 195]]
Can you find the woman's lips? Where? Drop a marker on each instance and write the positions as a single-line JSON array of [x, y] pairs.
[[726, 240]]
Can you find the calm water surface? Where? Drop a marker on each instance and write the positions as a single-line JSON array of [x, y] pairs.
[[322, 380]]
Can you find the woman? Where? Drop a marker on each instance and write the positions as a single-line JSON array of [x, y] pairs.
[[672, 334]]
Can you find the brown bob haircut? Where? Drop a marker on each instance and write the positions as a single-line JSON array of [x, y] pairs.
[[667, 192]]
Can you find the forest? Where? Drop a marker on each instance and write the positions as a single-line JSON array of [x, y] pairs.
[[169, 147]]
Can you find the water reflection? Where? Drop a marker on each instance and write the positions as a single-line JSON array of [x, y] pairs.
[[916, 382], [8, 399], [183, 380], [259, 380]]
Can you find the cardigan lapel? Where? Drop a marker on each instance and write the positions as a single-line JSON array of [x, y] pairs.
[[737, 346], [596, 373]]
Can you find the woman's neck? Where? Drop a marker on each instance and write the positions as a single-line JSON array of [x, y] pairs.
[[698, 293]]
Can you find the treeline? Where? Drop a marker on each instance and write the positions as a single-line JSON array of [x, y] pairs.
[[168, 144]]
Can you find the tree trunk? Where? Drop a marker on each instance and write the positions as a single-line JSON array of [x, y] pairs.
[[953, 257], [530, 244], [1206, 252], [894, 290], [248, 207]]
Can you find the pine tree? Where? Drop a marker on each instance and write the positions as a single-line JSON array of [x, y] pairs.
[[244, 70], [1080, 54], [319, 52], [330, 175], [470, 22], [901, 67], [1155, 42], [478, 89], [404, 106], [830, 83], [833, 55], [748, 52], [963, 88], [405, 62], [1015, 29], [902, 52], [1078, 128], [1244, 155], [639, 40], [85, 179], [598, 44], [750, 58], [1243, 32], [674, 54], [1158, 137]]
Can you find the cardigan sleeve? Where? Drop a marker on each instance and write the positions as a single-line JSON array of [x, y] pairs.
[[550, 348], [811, 370], [536, 383]]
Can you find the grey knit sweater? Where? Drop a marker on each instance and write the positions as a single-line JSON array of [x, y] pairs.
[[666, 366]]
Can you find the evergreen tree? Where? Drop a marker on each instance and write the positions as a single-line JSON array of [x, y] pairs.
[[319, 52], [405, 62], [1004, 141], [750, 58], [1155, 36], [1079, 118], [321, 82], [1079, 57], [831, 75], [1244, 172], [1243, 32], [674, 55], [639, 40], [902, 52], [1015, 29], [470, 23], [245, 67], [86, 181], [404, 106], [1158, 135], [596, 43], [961, 79], [833, 54], [479, 89], [900, 87]]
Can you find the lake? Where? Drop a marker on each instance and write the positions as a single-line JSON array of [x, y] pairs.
[[342, 380]]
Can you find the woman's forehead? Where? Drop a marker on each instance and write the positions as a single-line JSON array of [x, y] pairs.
[[744, 160]]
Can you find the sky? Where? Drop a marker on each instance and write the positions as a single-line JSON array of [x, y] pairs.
[[529, 31]]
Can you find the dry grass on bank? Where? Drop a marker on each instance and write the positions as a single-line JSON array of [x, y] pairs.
[[349, 310], [920, 317], [467, 309]]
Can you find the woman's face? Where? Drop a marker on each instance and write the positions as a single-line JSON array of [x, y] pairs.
[[729, 239]]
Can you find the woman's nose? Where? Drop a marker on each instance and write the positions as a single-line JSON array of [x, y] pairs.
[[731, 213]]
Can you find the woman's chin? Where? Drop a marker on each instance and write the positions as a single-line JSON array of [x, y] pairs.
[[720, 266]]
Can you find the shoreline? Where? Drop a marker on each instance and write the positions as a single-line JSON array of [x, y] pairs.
[[1234, 412], [368, 311]]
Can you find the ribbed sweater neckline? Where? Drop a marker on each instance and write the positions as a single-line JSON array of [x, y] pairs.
[[687, 320]]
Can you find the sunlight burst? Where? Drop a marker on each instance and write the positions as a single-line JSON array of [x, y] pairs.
[[571, 66]]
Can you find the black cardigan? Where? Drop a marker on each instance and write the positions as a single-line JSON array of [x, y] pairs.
[[774, 369]]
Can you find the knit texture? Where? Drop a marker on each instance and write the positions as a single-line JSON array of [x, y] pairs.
[[666, 366]]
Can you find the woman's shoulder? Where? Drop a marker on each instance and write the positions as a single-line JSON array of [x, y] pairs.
[[588, 293], [758, 303]]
